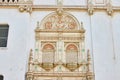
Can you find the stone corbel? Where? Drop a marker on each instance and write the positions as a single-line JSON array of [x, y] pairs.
[[22, 8], [25, 5], [109, 9], [60, 9], [27, 8], [90, 7]]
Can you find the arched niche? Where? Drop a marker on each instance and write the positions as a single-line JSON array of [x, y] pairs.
[[48, 52], [71, 53]]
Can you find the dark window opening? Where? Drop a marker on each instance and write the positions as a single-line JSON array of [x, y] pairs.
[[1, 77], [9, 0], [3, 35]]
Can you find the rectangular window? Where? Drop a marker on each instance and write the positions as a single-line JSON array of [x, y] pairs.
[[3, 34]]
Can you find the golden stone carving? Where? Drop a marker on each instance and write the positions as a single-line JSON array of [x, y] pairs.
[[90, 7], [27, 8], [47, 66], [63, 22], [109, 9], [60, 50], [21, 8]]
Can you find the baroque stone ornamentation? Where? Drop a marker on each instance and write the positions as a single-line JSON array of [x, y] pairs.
[[27, 8], [63, 22], [60, 50]]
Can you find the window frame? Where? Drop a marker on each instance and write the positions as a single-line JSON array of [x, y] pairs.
[[5, 37]]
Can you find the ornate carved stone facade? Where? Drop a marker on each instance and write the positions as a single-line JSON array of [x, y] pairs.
[[59, 44], [60, 52], [90, 7]]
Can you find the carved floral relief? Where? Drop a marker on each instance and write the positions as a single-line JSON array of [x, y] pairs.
[[60, 22]]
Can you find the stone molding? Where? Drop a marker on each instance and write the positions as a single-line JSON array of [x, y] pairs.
[[28, 6]]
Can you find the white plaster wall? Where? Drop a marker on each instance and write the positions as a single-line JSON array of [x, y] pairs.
[[34, 18], [102, 38], [76, 2], [45, 2], [102, 47], [65, 2], [116, 36], [13, 58], [115, 2]]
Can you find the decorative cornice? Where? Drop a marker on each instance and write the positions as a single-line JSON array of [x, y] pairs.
[[90, 8]]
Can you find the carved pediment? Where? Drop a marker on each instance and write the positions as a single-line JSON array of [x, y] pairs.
[[56, 22]]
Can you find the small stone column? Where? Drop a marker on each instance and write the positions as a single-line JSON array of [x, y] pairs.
[[89, 66], [36, 56], [39, 51], [80, 56], [30, 63]]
